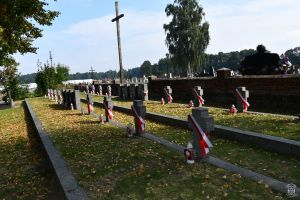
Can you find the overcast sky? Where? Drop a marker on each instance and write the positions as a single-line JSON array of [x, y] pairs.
[[84, 36]]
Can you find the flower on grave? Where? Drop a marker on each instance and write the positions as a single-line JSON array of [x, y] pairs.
[[191, 104], [162, 101], [189, 153], [101, 119], [233, 110]]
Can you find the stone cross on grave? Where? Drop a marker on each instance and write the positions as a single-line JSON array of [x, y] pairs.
[[198, 93], [168, 94], [206, 123], [117, 20], [242, 96]]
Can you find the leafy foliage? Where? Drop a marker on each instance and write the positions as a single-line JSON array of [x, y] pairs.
[[9, 78], [187, 34], [50, 76], [20, 23]]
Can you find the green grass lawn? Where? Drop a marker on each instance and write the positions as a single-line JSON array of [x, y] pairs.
[[272, 164], [266, 124], [111, 166], [22, 168]]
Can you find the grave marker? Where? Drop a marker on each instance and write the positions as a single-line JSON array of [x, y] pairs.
[[201, 124], [242, 96], [132, 91], [168, 94], [89, 99], [197, 93], [143, 92], [139, 112], [108, 106]]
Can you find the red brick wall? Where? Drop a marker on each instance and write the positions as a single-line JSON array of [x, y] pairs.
[[280, 92]]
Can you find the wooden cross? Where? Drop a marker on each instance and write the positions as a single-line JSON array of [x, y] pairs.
[[92, 71], [116, 19]]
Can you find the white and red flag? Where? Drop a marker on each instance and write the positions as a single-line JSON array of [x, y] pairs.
[[191, 104], [244, 102], [145, 93], [90, 108], [108, 112], [140, 120], [204, 143], [162, 101]]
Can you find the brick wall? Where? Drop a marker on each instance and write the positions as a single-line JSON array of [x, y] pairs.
[[267, 93]]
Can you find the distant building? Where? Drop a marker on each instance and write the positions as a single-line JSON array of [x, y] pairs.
[[86, 81]]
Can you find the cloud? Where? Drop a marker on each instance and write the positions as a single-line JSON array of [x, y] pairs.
[[269, 22], [234, 25]]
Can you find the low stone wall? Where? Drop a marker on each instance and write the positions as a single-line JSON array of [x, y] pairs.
[[267, 93], [67, 182]]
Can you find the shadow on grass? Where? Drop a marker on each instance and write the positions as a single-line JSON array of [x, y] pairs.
[[57, 107]]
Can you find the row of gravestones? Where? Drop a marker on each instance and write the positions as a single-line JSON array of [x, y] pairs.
[[133, 91], [199, 121], [70, 99], [241, 94]]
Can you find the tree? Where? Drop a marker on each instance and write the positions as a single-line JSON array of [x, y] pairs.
[[50, 76], [187, 35], [20, 25]]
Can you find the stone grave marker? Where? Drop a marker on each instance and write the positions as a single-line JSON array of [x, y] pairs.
[[202, 124], [77, 102], [168, 94], [242, 96], [198, 93], [68, 99], [89, 99], [108, 106], [109, 90], [139, 112], [132, 91], [143, 92], [93, 89]]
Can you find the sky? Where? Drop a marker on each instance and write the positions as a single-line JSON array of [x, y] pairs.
[[83, 36]]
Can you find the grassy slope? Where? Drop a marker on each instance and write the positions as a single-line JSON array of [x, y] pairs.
[[23, 175], [266, 124], [271, 164], [111, 166]]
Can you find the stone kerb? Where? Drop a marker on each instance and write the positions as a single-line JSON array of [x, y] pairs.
[[66, 180]]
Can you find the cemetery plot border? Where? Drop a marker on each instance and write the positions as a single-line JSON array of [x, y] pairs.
[[67, 181], [267, 142], [276, 185]]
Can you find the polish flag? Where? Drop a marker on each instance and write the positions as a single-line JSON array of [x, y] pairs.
[[162, 101]]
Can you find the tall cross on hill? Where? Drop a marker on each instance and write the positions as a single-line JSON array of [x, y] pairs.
[[92, 71], [116, 19]]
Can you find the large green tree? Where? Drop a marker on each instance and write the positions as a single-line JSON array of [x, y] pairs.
[[187, 34], [20, 25]]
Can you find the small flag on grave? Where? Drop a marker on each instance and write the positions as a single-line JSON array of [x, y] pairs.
[[90, 108], [108, 112], [170, 98], [191, 104], [244, 102], [203, 141], [162, 101], [140, 120]]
